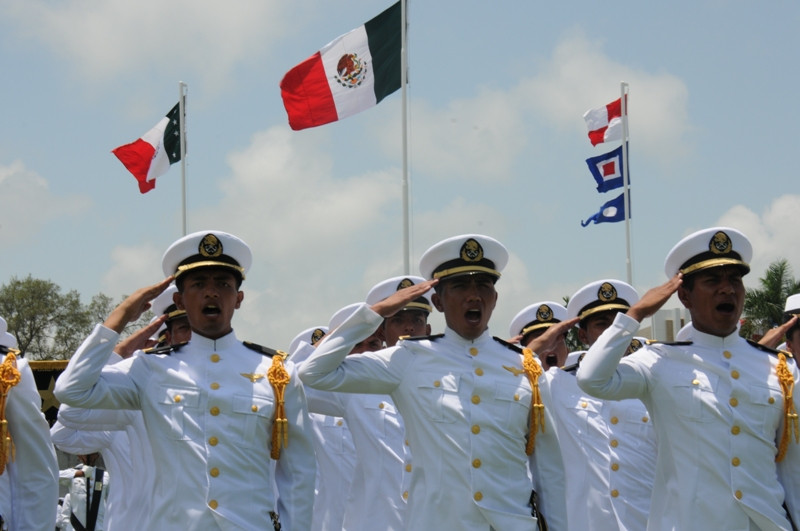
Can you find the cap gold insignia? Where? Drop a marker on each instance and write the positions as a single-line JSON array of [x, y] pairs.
[[633, 347], [405, 283], [252, 376], [720, 243], [607, 292], [316, 335], [210, 246], [513, 370], [471, 251], [544, 313]]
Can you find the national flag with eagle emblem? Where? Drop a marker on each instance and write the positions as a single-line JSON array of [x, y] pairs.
[[150, 156], [352, 73]]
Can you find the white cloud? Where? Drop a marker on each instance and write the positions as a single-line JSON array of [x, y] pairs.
[[133, 267]]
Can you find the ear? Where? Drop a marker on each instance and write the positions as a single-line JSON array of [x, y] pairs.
[[582, 336], [437, 302], [177, 298], [239, 299], [683, 296], [380, 333], [427, 329]]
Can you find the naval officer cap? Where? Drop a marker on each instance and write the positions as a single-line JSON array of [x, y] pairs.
[[468, 254], [601, 296], [714, 247], [392, 285], [792, 306], [537, 316], [164, 305], [312, 336], [204, 249], [342, 314]]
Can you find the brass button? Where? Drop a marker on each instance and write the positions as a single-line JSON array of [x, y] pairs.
[[614, 420], [476, 463], [254, 408], [476, 429], [437, 383], [645, 419], [214, 386], [214, 411], [478, 496], [479, 371], [727, 354], [405, 495], [733, 401], [584, 404], [735, 430], [473, 351], [177, 398], [615, 467], [213, 441], [614, 493], [476, 399], [735, 461], [215, 358], [406, 442], [614, 443], [339, 422], [516, 397], [738, 494], [213, 504], [735, 374], [214, 472], [408, 467], [771, 400], [695, 382], [381, 406]]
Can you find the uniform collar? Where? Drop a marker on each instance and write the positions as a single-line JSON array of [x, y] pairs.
[[450, 334], [711, 341], [203, 342]]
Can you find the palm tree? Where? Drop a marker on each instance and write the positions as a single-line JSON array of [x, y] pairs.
[[763, 307]]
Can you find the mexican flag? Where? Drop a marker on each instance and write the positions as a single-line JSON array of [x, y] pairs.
[[352, 73], [151, 155]]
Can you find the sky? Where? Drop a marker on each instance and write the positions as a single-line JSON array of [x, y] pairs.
[[497, 143]]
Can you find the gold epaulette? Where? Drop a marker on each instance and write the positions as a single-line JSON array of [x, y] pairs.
[[669, 343], [165, 349], [533, 371], [265, 351], [9, 377], [508, 345], [432, 337], [770, 350], [278, 378]]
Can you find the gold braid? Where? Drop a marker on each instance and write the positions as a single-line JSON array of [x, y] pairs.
[[791, 424], [9, 377], [278, 378], [533, 371]]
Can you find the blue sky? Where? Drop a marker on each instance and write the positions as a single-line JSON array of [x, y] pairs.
[[497, 143]]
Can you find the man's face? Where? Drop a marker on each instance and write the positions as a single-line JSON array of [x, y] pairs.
[[209, 297], [595, 325], [793, 341], [715, 300], [371, 344], [179, 331], [550, 358], [467, 302], [405, 323]]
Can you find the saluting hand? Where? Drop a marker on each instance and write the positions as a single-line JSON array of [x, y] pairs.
[[547, 341], [655, 298], [399, 299], [135, 305]]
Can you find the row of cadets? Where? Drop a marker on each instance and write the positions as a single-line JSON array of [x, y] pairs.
[[28, 466], [218, 410], [723, 407], [466, 398]]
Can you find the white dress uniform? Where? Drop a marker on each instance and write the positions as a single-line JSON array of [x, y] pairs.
[[208, 409], [466, 407], [718, 412], [33, 474], [609, 453], [79, 491]]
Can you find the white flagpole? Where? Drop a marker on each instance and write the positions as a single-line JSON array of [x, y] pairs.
[[625, 177], [182, 91], [403, 79]]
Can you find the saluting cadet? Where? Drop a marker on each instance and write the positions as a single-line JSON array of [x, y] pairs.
[[28, 463], [213, 407], [333, 445], [723, 407], [608, 447], [534, 320], [465, 397]]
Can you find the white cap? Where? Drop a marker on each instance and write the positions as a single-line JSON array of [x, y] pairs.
[[609, 294], [163, 304], [3, 326], [342, 314], [8, 340], [207, 248], [467, 254], [392, 285], [538, 315], [309, 335], [717, 246], [792, 304]]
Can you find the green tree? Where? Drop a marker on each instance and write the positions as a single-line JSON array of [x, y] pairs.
[[763, 306]]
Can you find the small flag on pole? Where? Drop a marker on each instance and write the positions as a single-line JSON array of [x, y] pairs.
[[150, 156], [605, 123], [607, 170], [350, 74], [610, 212]]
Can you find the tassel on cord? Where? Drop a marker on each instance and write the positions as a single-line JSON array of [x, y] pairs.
[[533, 371], [9, 377], [791, 425], [278, 378]]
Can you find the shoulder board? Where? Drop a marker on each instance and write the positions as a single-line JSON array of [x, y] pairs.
[[574, 366], [166, 349], [508, 345], [772, 351], [265, 351], [670, 343], [432, 337]]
